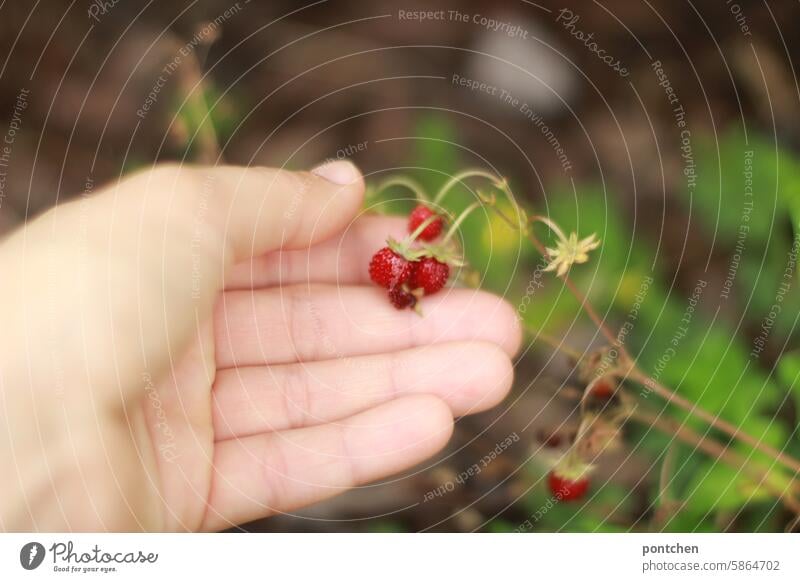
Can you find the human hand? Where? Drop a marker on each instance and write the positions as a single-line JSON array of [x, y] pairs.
[[193, 348]]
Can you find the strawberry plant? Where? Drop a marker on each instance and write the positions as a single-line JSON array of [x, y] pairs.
[[706, 412]]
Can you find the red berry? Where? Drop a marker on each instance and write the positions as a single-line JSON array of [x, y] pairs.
[[401, 298], [429, 275], [388, 269], [566, 489], [419, 215], [602, 389]]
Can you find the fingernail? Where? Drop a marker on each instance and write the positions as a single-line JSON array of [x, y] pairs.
[[339, 172]]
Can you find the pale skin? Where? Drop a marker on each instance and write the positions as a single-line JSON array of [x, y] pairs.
[[193, 348]]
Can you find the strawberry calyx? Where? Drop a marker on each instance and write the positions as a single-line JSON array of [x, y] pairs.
[[405, 249], [444, 254], [412, 249], [571, 468]]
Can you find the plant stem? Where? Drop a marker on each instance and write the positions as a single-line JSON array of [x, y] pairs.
[[590, 311], [664, 502], [637, 375], [413, 185], [418, 231], [577, 293], [715, 450], [460, 177], [640, 377], [551, 225], [461, 218]]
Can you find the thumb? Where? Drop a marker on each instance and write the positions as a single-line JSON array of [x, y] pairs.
[[254, 210], [267, 209]]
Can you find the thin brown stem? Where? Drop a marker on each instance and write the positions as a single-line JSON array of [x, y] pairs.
[[731, 430], [717, 451], [590, 311], [192, 84], [577, 293]]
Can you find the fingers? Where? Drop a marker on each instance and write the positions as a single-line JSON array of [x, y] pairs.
[[342, 260], [309, 323], [468, 376], [268, 473]]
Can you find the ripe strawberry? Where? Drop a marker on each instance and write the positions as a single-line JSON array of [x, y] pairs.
[[401, 298], [388, 269], [419, 215], [565, 488], [429, 275]]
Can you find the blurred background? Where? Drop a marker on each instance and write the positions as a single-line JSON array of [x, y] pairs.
[[667, 128]]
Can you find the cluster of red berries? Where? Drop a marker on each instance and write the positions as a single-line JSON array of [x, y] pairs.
[[406, 275]]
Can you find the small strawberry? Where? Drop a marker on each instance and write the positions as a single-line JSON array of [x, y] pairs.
[[566, 488], [401, 298], [429, 275], [389, 269], [419, 215]]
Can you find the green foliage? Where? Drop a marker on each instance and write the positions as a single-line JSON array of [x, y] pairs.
[[789, 376], [436, 156], [612, 273], [747, 197], [725, 169], [677, 338], [205, 114]]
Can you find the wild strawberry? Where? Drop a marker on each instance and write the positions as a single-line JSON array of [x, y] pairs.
[[419, 215], [429, 275], [401, 298], [565, 488], [389, 269]]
